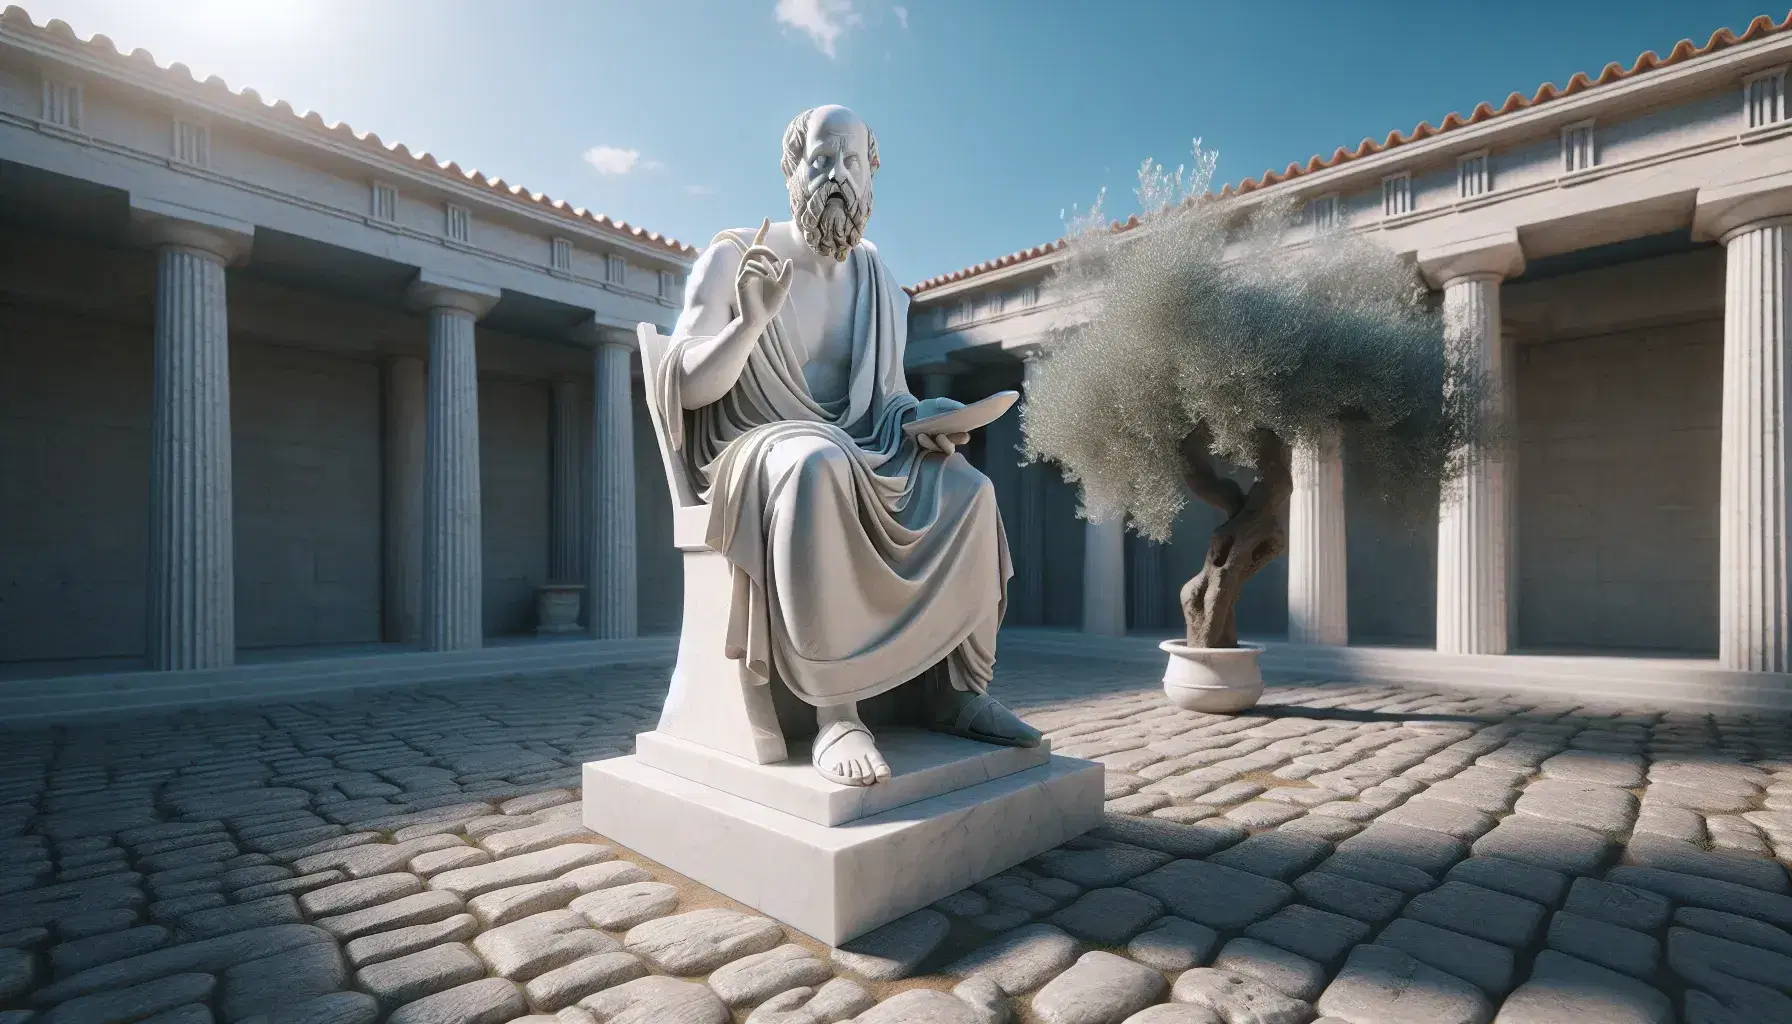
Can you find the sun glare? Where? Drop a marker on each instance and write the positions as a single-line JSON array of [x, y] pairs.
[[245, 21]]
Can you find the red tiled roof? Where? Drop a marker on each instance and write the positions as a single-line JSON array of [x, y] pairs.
[[214, 88], [1685, 50]]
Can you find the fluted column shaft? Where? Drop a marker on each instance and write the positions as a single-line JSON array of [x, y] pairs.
[[1104, 577], [1027, 596], [453, 567], [1755, 480], [1148, 576], [566, 511], [192, 587], [611, 587], [406, 446], [1318, 598], [936, 385], [1475, 520]]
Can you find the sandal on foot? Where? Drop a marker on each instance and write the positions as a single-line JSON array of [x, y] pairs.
[[825, 740], [967, 715]]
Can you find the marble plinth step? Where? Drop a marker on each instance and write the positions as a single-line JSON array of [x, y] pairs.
[[922, 765], [838, 882]]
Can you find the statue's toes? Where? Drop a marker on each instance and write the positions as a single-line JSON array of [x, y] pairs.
[[880, 769]]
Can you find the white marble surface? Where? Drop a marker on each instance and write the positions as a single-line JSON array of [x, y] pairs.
[[1474, 525], [923, 764], [836, 883], [1318, 594], [1754, 574]]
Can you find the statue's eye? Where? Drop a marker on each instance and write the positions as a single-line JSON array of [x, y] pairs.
[[819, 162], [852, 161]]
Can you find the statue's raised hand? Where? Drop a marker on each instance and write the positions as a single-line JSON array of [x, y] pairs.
[[763, 282]]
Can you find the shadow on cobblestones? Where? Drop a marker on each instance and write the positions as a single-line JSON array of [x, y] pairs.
[[1356, 852]]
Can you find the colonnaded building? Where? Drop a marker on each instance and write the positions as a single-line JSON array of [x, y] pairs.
[[271, 390]]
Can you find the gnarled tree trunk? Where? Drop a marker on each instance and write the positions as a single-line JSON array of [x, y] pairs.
[[1254, 533]]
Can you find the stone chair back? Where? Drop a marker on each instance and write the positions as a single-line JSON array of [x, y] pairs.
[[678, 478]]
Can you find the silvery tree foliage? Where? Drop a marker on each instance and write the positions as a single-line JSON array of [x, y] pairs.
[[1220, 332]]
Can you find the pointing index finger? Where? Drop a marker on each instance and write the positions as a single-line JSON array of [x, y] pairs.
[[763, 228]]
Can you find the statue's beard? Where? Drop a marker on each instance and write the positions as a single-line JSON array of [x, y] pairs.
[[832, 216]]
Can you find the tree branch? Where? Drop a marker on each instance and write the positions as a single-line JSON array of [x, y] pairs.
[[1275, 471], [1202, 479]]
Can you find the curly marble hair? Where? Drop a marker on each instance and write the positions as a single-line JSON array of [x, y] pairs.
[[796, 140]]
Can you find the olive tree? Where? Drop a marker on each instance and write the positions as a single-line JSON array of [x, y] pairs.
[[1210, 339]]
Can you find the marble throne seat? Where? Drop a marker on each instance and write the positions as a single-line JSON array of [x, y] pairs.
[[712, 702]]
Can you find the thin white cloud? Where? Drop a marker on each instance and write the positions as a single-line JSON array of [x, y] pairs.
[[902, 15], [700, 190], [824, 20], [616, 160]]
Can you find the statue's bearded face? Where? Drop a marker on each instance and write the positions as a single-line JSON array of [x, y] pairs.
[[830, 191]]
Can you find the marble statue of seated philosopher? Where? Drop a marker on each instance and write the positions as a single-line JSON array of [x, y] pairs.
[[862, 562]]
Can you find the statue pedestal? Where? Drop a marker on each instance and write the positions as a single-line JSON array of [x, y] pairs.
[[837, 861]]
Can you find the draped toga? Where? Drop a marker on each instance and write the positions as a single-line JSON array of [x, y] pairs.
[[859, 559]]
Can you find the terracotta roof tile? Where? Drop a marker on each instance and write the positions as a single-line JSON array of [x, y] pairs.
[[214, 88], [1684, 50]]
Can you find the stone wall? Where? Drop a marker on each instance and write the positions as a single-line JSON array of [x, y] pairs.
[[1617, 489], [305, 465], [514, 461], [74, 485], [75, 396], [1391, 563]]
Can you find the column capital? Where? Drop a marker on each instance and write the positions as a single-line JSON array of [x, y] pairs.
[[172, 226], [1723, 210], [432, 291], [1497, 255]]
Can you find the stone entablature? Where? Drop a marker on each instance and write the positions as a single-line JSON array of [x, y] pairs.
[[70, 107]]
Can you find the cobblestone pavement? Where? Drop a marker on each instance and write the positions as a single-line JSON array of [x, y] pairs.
[[1344, 852]]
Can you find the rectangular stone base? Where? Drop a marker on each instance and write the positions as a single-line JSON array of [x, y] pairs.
[[923, 764], [836, 883]]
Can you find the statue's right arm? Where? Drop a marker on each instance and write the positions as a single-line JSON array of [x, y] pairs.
[[720, 338]]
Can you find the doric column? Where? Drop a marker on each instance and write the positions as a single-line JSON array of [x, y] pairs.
[[1027, 594], [192, 586], [406, 449], [610, 588], [1104, 577], [1752, 217], [566, 500], [1148, 576], [1318, 609], [453, 573], [1754, 603], [936, 378], [1474, 549]]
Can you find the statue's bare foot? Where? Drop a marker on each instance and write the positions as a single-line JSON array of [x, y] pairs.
[[845, 753], [978, 716]]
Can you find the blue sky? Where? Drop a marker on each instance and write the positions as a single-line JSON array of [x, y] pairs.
[[993, 116]]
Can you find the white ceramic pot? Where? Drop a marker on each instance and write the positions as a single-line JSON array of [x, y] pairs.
[[1216, 680]]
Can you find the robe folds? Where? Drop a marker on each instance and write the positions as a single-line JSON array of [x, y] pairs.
[[859, 559]]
